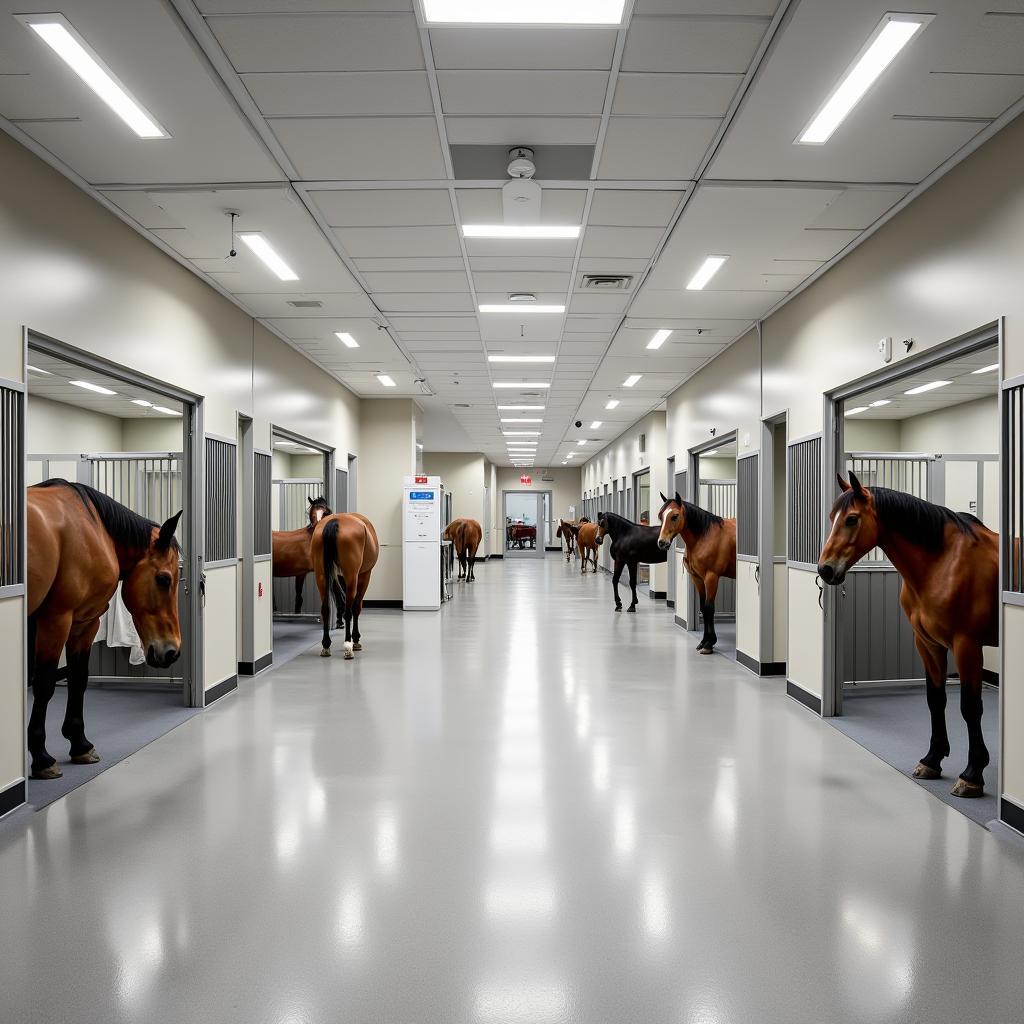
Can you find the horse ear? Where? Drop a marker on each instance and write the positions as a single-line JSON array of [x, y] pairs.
[[856, 485], [679, 501], [163, 540], [309, 499], [843, 485], [664, 500]]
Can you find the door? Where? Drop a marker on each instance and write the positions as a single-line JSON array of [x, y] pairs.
[[524, 524]]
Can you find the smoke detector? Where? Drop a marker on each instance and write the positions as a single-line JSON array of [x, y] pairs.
[[521, 163]]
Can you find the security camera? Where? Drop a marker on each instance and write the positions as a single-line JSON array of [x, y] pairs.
[[579, 423]]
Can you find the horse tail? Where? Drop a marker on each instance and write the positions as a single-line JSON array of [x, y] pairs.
[[332, 567]]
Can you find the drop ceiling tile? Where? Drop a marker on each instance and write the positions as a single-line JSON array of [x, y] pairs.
[[399, 302], [674, 95], [422, 281], [297, 6], [391, 241], [633, 207], [520, 281], [857, 209], [692, 44], [510, 131], [553, 264], [522, 92], [624, 242], [614, 303], [764, 8], [402, 264], [512, 48], [720, 304], [520, 247], [336, 94], [385, 207], [655, 147]]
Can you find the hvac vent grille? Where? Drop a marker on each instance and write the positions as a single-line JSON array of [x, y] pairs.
[[305, 303], [607, 282]]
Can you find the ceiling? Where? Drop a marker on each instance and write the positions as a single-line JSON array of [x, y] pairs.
[[357, 140]]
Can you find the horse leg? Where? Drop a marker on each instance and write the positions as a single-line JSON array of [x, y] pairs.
[[325, 586], [463, 567], [969, 663], [698, 582], [935, 669], [79, 647], [471, 577], [350, 603], [364, 582], [339, 602], [632, 585], [300, 582], [615, 584], [710, 636], [51, 635]]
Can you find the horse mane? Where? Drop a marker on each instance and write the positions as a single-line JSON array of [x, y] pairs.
[[124, 526], [699, 520], [920, 520]]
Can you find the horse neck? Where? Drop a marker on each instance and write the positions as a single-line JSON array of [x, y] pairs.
[[908, 557], [128, 557]]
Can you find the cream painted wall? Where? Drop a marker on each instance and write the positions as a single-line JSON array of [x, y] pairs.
[[969, 428], [717, 469], [58, 428], [805, 644], [780, 618], [748, 619], [871, 435], [1011, 750], [220, 654], [152, 435], [463, 476], [12, 721]]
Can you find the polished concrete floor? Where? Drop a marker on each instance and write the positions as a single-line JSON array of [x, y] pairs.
[[525, 808]]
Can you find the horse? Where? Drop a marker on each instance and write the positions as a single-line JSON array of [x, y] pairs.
[[631, 545], [588, 540], [290, 549], [710, 554], [465, 535], [568, 531], [344, 550], [80, 544], [949, 564]]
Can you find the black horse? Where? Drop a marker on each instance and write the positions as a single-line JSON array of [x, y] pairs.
[[631, 545]]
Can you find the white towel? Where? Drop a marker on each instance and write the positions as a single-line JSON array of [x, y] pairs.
[[118, 629]]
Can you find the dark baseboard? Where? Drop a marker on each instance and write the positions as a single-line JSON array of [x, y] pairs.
[[761, 668], [495, 556], [1009, 813], [680, 621], [13, 796], [382, 604], [554, 549], [669, 603], [990, 677], [658, 595], [248, 668], [218, 691], [803, 697]]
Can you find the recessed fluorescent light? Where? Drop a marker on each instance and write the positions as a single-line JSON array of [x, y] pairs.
[[521, 386], [346, 339], [525, 12], [386, 380], [521, 408], [165, 410], [714, 451], [521, 433], [930, 386], [520, 359], [521, 230], [631, 380], [893, 32], [513, 307], [57, 32], [581, 441], [596, 424], [706, 271], [612, 403], [880, 402], [984, 369], [268, 254], [571, 455], [659, 339], [564, 462], [521, 419], [853, 412], [142, 402], [89, 386], [46, 373]]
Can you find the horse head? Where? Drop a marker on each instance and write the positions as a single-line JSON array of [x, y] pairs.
[[673, 520], [855, 530], [150, 592], [318, 508], [602, 528]]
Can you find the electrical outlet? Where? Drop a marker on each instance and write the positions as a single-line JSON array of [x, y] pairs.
[[885, 349]]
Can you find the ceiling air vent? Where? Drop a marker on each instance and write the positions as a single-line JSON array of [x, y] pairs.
[[305, 303], [607, 282]]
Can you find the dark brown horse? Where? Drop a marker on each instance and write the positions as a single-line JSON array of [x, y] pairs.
[[588, 539], [80, 544], [465, 535], [290, 550], [710, 554], [567, 531], [949, 564], [344, 549]]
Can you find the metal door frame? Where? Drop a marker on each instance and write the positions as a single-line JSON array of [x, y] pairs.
[[766, 558], [538, 551]]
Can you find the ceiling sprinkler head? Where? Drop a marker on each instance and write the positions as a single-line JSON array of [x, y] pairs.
[[521, 163]]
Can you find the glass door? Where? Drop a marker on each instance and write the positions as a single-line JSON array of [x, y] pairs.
[[524, 524]]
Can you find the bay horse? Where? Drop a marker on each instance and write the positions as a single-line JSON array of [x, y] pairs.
[[344, 550], [80, 544], [710, 554], [290, 549], [465, 535], [588, 541], [631, 545], [949, 564]]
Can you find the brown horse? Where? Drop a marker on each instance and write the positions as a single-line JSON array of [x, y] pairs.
[[290, 550], [710, 554], [588, 539], [344, 550], [949, 564], [568, 531], [80, 544], [465, 535]]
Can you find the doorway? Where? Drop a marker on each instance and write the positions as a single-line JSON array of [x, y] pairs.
[[524, 524]]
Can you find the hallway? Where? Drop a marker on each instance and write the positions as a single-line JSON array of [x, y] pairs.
[[525, 809]]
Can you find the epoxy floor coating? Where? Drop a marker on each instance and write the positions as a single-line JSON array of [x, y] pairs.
[[525, 808]]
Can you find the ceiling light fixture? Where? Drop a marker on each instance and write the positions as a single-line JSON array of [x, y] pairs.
[[596, 424], [520, 359], [853, 412], [612, 403], [512, 307], [524, 12], [706, 271], [386, 380], [142, 402], [581, 441], [521, 419], [89, 386], [165, 410], [346, 339], [264, 251], [521, 408], [659, 339], [984, 369], [890, 36], [35, 369], [521, 230], [714, 451], [930, 386], [880, 402], [522, 386], [631, 380], [59, 34], [521, 433]]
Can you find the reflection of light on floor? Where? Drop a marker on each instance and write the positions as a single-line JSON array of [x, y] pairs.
[[601, 764], [287, 840], [624, 826], [654, 907], [525, 834], [880, 950], [583, 715], [350, 917], [522, 1000], [520, 786], [520, 898], [723, 806], [386, 844], [519, 752], [140, 955], [317, 803]]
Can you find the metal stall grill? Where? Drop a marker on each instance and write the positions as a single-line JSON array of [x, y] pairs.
[[262, 543], [719, 497], [292, 496], [747, 518], [804, 505], [907, 473], [12, 486], [221, 502], [1013, 489]]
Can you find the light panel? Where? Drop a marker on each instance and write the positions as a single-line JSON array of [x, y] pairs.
[[89, 386], [165, 410], [631, 380], [521, 419], [930, 386], [520, 359], [984, 369], [519, 307], [268, 255], [521, 433], [853, 412], [386, 380], [612, 403], [142, 402], [346, 339], [521, 230], [880, 402], [596, 424], [35, 369], [706, 271], [521, 386], [524, 12], [521, 408], [659, 339]]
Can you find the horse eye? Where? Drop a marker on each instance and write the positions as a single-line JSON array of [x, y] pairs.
[[163, 579], [852, 520]]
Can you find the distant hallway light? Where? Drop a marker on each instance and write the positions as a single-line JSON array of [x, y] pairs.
[[268, 255], [524, 12], [521, 230], [706, 271]]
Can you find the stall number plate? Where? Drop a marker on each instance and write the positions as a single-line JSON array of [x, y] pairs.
[[421, 495]]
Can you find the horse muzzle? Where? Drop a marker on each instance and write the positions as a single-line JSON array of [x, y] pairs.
[[162, 655], [664, 544], [599, 541], [831, 575]]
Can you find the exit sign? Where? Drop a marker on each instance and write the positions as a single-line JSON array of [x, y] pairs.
[[421, 479], [524, 479]]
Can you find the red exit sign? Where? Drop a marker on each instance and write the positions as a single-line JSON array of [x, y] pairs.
[[524, 479], [421, 479]]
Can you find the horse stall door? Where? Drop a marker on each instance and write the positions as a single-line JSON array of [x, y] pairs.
[[719, 496], [292, 500], [340, 490]]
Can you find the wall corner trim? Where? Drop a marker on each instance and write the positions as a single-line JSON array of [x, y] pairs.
[[225, 686], [13, 797], [801, 696]]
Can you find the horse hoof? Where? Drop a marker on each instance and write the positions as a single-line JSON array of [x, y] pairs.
[[357, 646], [967, 789], [89, 757], [349, 647], [924, 771], [619, 608], [53, 772], [633, 610], [325, 652], [705, 650]]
